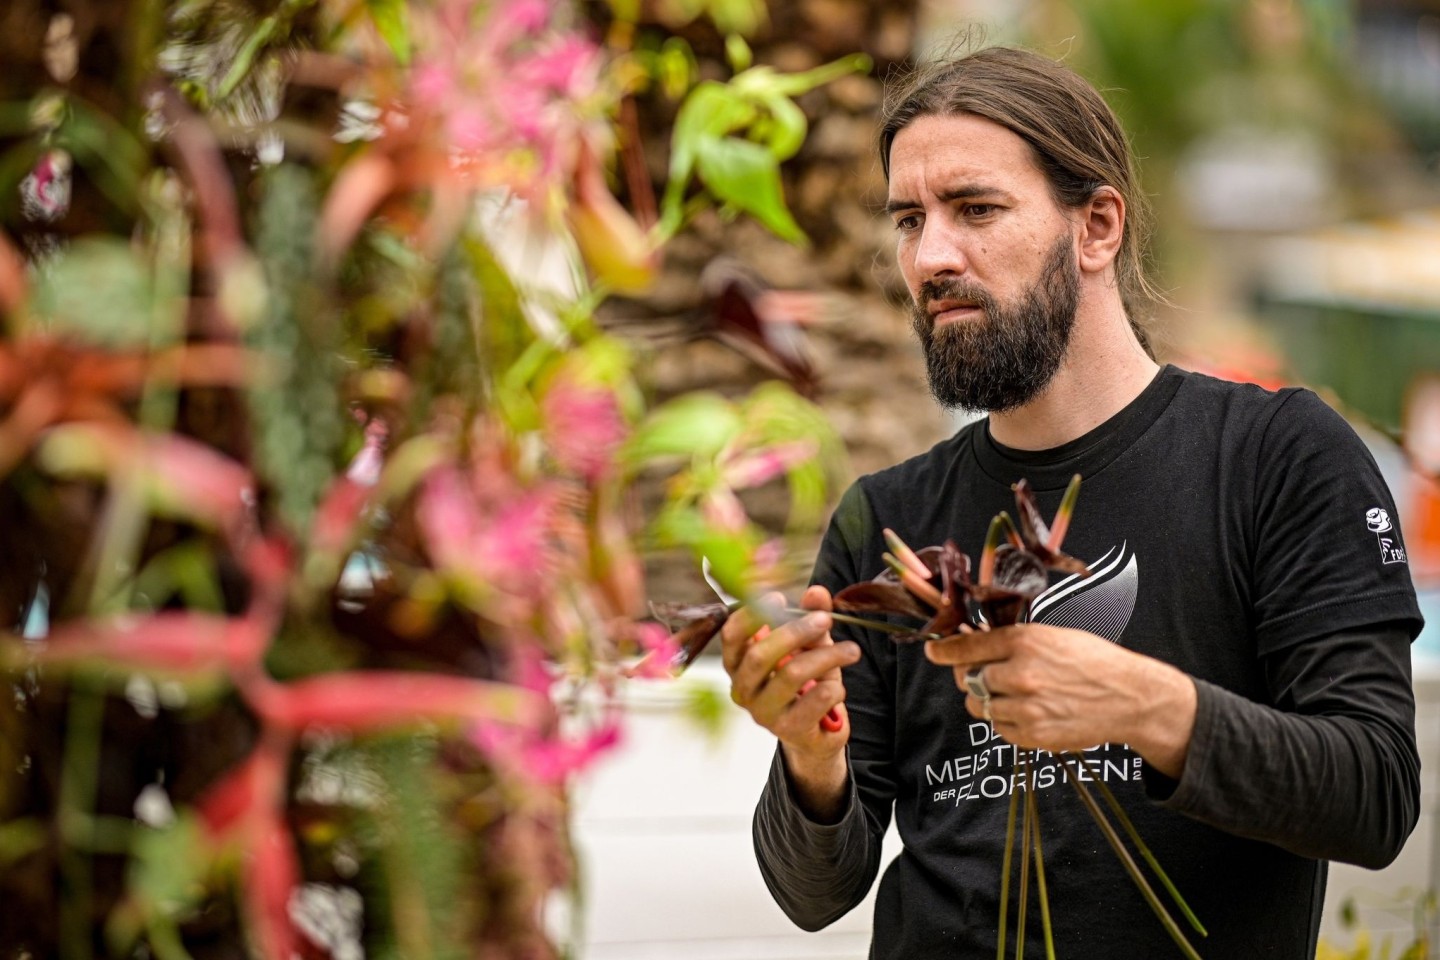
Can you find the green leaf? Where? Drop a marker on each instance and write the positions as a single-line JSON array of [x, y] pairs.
[[186, 569], [168, 866], [695, 425], [109, 152], [708, 708], [99, 291], [731, 555], [676, 524], [245, 58], [20, 838], [766, 81], [505, 332], [737, 16], [676, 67], [390, 20], [747, 176], [738, 52], [710, 111], [425, 859], [785, 127], [298, 414]]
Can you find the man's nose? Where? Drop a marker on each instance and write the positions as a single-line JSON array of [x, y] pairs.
[[939, 252]]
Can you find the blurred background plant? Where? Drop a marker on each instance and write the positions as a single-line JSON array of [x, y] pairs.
[[1408, 906], [321, 553]]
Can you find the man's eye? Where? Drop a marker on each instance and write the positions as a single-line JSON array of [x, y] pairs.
[[907, 223], [979, 209]]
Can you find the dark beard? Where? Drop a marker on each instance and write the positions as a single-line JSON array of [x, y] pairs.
[[1005, 359]]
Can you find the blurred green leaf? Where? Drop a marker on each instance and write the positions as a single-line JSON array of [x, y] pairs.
[[707, 706], [168, 866], [711, 110], [736, 16], [20, 838], [738, 53], [108, 152], [391, 21], [694, 425], [299, 420], [675, 67], [766, 81], [99, 291], [186, 570], [785, 127], [504, 332], [424, 861], [732, 556], [308, 649], [245, 57], [747, 176]]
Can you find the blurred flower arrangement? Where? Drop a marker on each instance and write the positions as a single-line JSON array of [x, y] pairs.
[[321, 553]]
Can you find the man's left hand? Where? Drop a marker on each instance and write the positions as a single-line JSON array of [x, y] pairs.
[[1058, 689]]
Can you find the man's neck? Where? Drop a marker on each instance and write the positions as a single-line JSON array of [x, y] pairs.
[[1104, 369]]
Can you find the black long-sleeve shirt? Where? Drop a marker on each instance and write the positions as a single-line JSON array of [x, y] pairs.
[[1233, 533]]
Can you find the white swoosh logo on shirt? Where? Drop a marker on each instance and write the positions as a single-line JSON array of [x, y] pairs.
[[1100, 603]]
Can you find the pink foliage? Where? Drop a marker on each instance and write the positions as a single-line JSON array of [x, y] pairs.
[[505, 79], [183, 642], [544, 760], [485, 526], [755, 468], [375, 700], [583, 427], [660, 648], [272, 871]]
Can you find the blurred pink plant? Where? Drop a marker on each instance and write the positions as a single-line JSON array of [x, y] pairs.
[[493, 533], [505, 81], [754, 468], [544, 760], [583, 428], [660, 650]]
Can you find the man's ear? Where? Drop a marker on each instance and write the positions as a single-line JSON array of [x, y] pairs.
[[1102, 228]]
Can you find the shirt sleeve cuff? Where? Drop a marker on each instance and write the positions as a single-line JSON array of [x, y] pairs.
[[780, 777], [1181, 795]]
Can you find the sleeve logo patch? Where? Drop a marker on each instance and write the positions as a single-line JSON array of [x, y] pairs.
[[1378, 522]]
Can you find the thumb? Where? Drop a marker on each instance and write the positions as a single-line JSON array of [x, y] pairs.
[[817, 598]]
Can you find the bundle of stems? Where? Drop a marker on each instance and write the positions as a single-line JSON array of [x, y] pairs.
[[1077, 768]]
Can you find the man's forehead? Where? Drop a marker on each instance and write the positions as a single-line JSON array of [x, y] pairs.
[[937, 154]]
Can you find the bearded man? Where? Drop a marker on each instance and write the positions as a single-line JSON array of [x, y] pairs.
[[1237, 665]]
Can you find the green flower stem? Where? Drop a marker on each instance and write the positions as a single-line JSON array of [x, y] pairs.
[[170, 248], [1134, 836], [880, 625], [79, 782], [1005, 873], [1033, 806], [165, 940], [1128, 862], [117, 542], [1025, 825]]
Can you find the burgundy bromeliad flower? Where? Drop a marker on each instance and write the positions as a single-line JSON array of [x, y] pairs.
[[933, 584]]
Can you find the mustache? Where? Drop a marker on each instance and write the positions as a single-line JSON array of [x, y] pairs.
[[954, 289]]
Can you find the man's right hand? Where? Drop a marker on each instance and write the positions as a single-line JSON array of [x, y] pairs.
[[773, 691]]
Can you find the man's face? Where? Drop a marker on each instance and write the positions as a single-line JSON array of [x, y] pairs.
[[988, 257]]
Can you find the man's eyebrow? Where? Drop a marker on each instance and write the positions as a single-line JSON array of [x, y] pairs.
[[966, 191]]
